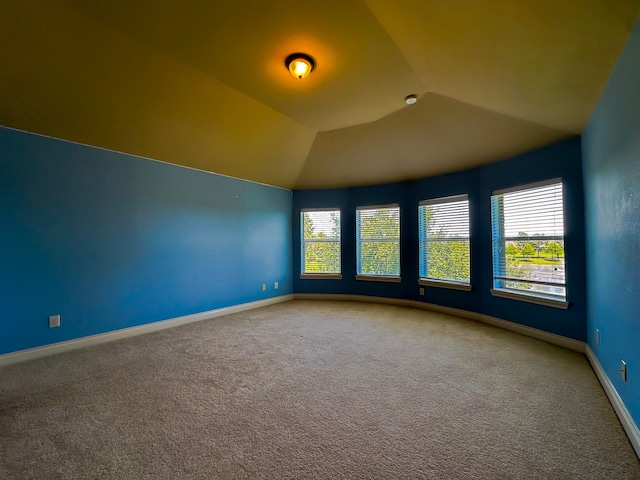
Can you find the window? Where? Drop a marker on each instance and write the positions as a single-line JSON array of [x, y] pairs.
[[378, 243], [444, 242], [320, 233], [528, 243]]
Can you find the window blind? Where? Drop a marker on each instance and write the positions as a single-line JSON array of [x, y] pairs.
[[444, 239], [378, 240], [528, 239], [320, 241]]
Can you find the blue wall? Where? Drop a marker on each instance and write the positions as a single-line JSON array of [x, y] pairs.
[[560, 160], [611, 145], [110, 241]]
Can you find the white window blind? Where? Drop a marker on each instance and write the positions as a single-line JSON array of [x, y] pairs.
[[528, 240], [378, 240], [444, 239], [320, 241]]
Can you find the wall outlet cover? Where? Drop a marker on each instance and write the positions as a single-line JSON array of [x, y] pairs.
[[54, 321]]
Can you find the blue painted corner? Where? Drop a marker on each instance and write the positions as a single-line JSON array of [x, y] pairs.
[[611, 146]]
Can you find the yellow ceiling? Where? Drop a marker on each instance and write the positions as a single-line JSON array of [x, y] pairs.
[[203, 83]]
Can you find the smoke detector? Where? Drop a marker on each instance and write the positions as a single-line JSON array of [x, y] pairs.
[[410, 99]]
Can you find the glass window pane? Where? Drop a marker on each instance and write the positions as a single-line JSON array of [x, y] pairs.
[[444, 239], [378, 241], [320, 241], [528, 240]]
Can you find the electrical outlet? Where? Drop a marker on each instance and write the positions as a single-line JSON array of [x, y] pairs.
[[597, 336], [275, 285], [623, 370], [421, 291], [264, 287], [54, 321]]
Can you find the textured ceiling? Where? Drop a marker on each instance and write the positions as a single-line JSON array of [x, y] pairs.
[[202, 83]]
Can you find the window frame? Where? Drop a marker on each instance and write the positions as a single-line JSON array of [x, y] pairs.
[[423, 241], [498, 245], [371, 277], [319, 275]]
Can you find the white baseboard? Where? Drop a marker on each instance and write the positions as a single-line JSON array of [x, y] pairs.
[[552, 338], [618, 405], [624, 416], [548, 337], [351, 298], [55, 348], [626, 420]]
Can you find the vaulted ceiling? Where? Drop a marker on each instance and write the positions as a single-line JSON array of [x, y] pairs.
[[202, 83]]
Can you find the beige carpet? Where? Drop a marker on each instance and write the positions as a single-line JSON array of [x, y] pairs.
[[311, 389]]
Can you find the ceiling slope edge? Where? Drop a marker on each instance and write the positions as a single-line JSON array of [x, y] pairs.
[[90, 86], [437, 135]]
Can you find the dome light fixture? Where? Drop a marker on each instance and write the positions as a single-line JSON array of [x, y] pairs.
[[410, 99], [300, 64]]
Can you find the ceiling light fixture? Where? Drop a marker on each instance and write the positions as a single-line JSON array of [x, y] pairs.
[[411, 99], [300, 64]]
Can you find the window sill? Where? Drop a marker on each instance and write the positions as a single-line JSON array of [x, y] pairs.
[[379, 278], [321, 276], [526, 297], [444, 284]]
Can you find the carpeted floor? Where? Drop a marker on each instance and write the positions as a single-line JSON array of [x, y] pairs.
[[313, 389]]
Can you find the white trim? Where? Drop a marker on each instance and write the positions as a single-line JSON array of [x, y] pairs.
[[55, 348], [630, 427], [548, 337], [427, 282], [529, 297], [463, 197], [352, 298], [379, 278], [620, 408], [446, 310], [543, 183], [320, 276]]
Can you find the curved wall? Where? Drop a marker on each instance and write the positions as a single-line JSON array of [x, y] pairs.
[[559, 160]]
